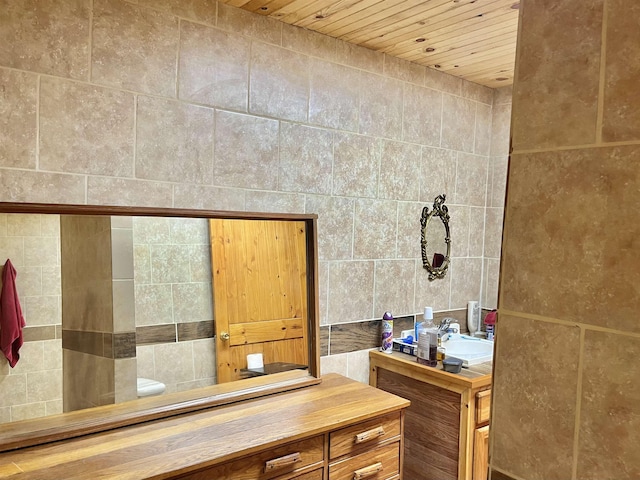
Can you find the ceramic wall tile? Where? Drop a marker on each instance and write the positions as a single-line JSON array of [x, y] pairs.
[[620, 122], [609, 408], [534, 399], [323, 290], [498, 177], [479, 93], [308, 42], [471, 180], [465, 280], [306, 159], [279, 83], [250, 25], [124, 304], [358, 366], [493, 232], [554, 185], [483, 130], [24, 186], [500, 129], [174, 141], [151, 305], [356, 165], [169, 264], [374, 229], [274, 202], [359, 57], [438, 174], [18, 119], [350, 290], [403, 70], [502, 95], [458, 123], [44, 385], [213, 67], [422, 115], [120, 191], [394, 286], [192, 302], [177, 363], [435, 293], [334, 96], [559, 62], [85, 129], [48, 37], [122, 34], [459, 220], [409, 214], [122, 253], [381, 101], [479, 229], [334, 364], [208, 198], [14, 390], [443, 81], [335, 226], [204, 356], [200, 10], [246, 151], [399, 167]]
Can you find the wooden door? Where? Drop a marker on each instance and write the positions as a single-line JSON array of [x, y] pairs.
[[259, 270]]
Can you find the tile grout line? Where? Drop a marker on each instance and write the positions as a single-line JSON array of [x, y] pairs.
[[602, 75], [576, 432]]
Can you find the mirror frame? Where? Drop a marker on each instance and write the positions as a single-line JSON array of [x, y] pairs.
[[25, 433], [440, 211]]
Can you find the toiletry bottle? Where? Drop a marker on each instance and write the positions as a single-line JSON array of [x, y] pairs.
[[441, 350], [427, 343], [489, 324], [387, 333]]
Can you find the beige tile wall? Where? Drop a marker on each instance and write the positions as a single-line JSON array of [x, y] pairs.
[[565, 381], [199, 105], [34, 386], [172, 281]]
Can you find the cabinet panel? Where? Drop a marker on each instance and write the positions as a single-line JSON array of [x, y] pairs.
[[363, 435], [275, 463], [481, 453], [483, 406], [381, 463]]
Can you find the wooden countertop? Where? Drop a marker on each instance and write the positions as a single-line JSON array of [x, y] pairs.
[[474, 377], [180, 444]]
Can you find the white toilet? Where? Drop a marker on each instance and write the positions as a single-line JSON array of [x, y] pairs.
[[148, 387]]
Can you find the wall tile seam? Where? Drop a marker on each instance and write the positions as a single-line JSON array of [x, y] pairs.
[[248, 111], [568, 323], [591, 146]]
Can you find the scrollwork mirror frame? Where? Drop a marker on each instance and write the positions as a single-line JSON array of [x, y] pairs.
[[441, 211]]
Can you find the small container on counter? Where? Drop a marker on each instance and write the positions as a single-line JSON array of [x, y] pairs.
[[452, 365], [387, 333]]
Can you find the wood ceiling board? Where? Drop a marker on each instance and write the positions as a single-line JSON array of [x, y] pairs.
[[451, 35], [477, 35], [411, 18], [415, 30], [443, 55], [367, 20]]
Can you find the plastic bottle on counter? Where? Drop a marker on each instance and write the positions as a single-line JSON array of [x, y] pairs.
[[427, 352], [490, 323]]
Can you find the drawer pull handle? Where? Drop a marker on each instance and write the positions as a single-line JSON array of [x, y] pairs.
[[369, 435], [367, 471], [281, 462]]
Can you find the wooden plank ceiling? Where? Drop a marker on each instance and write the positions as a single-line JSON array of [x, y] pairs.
[[472, 39]]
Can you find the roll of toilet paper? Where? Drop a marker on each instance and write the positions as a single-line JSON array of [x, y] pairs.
[[254, 360]]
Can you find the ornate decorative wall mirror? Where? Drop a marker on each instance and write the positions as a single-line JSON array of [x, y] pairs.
[[435, 239], [144, 292]]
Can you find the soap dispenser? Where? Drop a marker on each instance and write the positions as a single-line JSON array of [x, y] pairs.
[[427, 340]]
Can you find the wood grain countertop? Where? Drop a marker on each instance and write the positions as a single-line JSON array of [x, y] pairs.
[[177, 445], [474, 377]]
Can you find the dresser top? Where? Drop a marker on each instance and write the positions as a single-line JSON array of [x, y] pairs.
[[180, 444]]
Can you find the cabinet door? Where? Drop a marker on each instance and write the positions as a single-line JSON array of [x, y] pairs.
[[481, 453]]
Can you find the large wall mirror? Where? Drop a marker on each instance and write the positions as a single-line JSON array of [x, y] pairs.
[[136, 313]]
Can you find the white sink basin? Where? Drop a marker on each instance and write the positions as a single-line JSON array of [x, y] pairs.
[[471, 350]]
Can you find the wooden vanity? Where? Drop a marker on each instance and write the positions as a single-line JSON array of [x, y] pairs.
[[339, 429], [447, 424]]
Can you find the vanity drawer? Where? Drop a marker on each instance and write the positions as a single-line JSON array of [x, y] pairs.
[[363, 435], [483, 407], [278, 462], [381, 463]]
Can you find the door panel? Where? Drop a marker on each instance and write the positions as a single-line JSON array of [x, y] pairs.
[[260, 292]]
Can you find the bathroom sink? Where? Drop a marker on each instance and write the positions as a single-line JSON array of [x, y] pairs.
[[471, 350]]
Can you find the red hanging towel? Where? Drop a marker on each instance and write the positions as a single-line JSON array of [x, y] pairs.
[[11, 319]]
